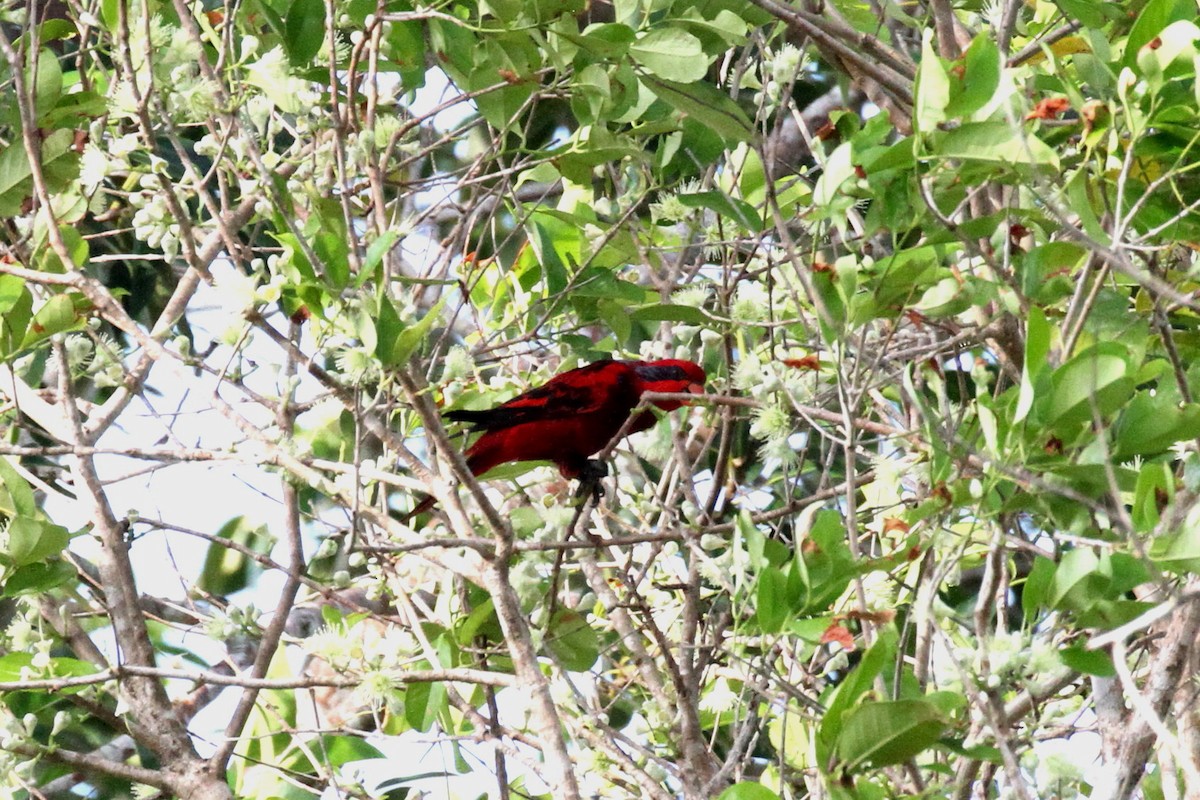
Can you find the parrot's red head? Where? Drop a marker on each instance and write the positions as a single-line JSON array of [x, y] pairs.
[[670, 375]]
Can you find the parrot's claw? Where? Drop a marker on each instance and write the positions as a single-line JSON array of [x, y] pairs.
[[590, 478]]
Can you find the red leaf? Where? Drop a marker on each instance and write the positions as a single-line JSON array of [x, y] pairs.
[[877, 617], [808, 362], [840, 635], [1048, 108]]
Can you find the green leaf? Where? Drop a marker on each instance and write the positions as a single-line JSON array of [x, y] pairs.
[[12, 289], [981, 78], [828, 565], [1089, 662], [572, 641], [75, 110], [482, 621], [398, 350], [1035, 595], [879, 734], [19, 491], [543, 11], [304, 31], [616, 317], [1083, 199], [706, 105], [1150, 21], [747, 791], [57, 315], [1179, 553], [994, 142], [48, 83], [672, 54], [551, 239], [227, 570], [15, 173], [54, 29], [1176, 42], [31, 540], [772, 606], [1037, 348], [726, 29], [38, 577], [77, 250], [670, 312], [388, 328], [1044, 260], [790, 733], [1155, 486], [1151, 423], [1128, 572], [1089, 12], [376, 252], [1082, 578], [338, 750], [732, 208], [932, 88], [857, 683], [838, 169], [602, 283], [609, 40], [16, 310], [333, 253], [943, 298], [1097, 380], [980, 752], [592, 93], [423, 702], [12, 664], [67, 667]]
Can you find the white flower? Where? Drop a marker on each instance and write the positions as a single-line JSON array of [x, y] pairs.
[[652, 350], [748, 375], [41, 660], [271, 74], [121, 100], [457, 364], [93, 167], [528, 581], [752, 302], [21, 634], [880, 590], [182, 49], [787, 63], [669, 209], [378, 688], [719, 698], [771, 422], [693, 295], [357, 364], [1055, 769], [122, 146], [237, 290]]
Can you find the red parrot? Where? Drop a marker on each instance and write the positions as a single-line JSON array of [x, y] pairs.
[[573, 416]]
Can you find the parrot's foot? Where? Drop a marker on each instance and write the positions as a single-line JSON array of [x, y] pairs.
[[590, 478]]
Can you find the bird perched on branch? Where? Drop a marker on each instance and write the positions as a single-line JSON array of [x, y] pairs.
[[573, 416]]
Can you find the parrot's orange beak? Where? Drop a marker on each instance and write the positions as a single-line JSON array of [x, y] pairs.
[[693, 388]]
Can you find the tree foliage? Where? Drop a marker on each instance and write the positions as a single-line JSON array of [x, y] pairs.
[[932, 528]]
